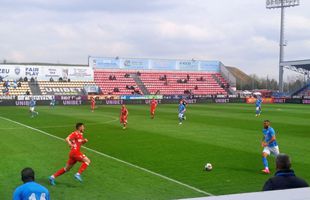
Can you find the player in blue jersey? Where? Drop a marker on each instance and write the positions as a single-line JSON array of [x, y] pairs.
[[182, 110], [30, 190], [52, 103], [258, 104], [32, 105], [269, 144], [185, 104]]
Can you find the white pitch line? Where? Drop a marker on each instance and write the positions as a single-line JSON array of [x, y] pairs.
[[63, 126], [116, 159]]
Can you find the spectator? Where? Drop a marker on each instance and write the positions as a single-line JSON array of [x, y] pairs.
[[182, 81], [14, 84], [1, 78], [110, 77], [31, 79], [127, 75], [166, 83], [19, 84], [60, 79], [285, 177], [30, 189], [7, 91], [7, 84], [196, 87], [187, 92], [26, 79], [137, 91], [188, 77], [116, 89], [201, 79], [138, 73], [51, 79], [27, 92], [163, 78], [21, 79]]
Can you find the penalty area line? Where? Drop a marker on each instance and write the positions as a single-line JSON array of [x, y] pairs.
[[115, 159]]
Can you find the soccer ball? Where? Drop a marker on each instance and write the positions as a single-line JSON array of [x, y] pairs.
[[208, 167]]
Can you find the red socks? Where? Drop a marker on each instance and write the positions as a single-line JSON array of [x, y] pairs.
[[83, 167], [62, 170], [59, 172]]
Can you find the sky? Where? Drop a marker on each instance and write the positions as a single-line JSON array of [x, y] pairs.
[[241, 33]]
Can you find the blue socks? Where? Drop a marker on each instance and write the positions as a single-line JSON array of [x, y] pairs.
[[265, 162]]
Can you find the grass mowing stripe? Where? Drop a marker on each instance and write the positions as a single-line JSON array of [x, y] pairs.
[[113, 158]]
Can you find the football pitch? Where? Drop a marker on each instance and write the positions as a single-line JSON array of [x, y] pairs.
[[152, 159]]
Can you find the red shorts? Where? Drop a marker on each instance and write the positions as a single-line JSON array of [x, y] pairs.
[[123, 119], [152, 111], [75, 156], [92, 105]]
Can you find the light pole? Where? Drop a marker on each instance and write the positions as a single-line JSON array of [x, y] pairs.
[[272, 4], [281, 70]]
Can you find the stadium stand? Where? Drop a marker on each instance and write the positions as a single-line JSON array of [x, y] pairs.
[[160, 82], [63, 88], [121, 82], [304, 91], [18, 88], [115, 82], [181, 82]]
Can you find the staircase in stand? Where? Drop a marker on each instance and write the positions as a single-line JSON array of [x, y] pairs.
[[140, 84], [228, 90], [34, 87]]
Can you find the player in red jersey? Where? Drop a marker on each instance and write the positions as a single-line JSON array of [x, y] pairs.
[[123, 117], [153, 104], [92, 104], [75, 140]]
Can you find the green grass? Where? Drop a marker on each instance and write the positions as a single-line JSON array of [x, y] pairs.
[[228, 136]]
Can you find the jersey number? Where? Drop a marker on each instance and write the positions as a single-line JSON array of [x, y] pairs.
[[33, 196]]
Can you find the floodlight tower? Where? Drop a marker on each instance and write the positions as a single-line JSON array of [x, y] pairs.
[[272, 4]]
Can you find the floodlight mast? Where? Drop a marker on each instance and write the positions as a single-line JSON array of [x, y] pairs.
[[272, 4]]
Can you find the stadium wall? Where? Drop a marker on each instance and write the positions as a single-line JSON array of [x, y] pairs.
[[45, 72], [153, 64], [131, 99]]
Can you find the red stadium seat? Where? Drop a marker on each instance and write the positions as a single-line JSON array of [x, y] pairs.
[[151, 80]]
